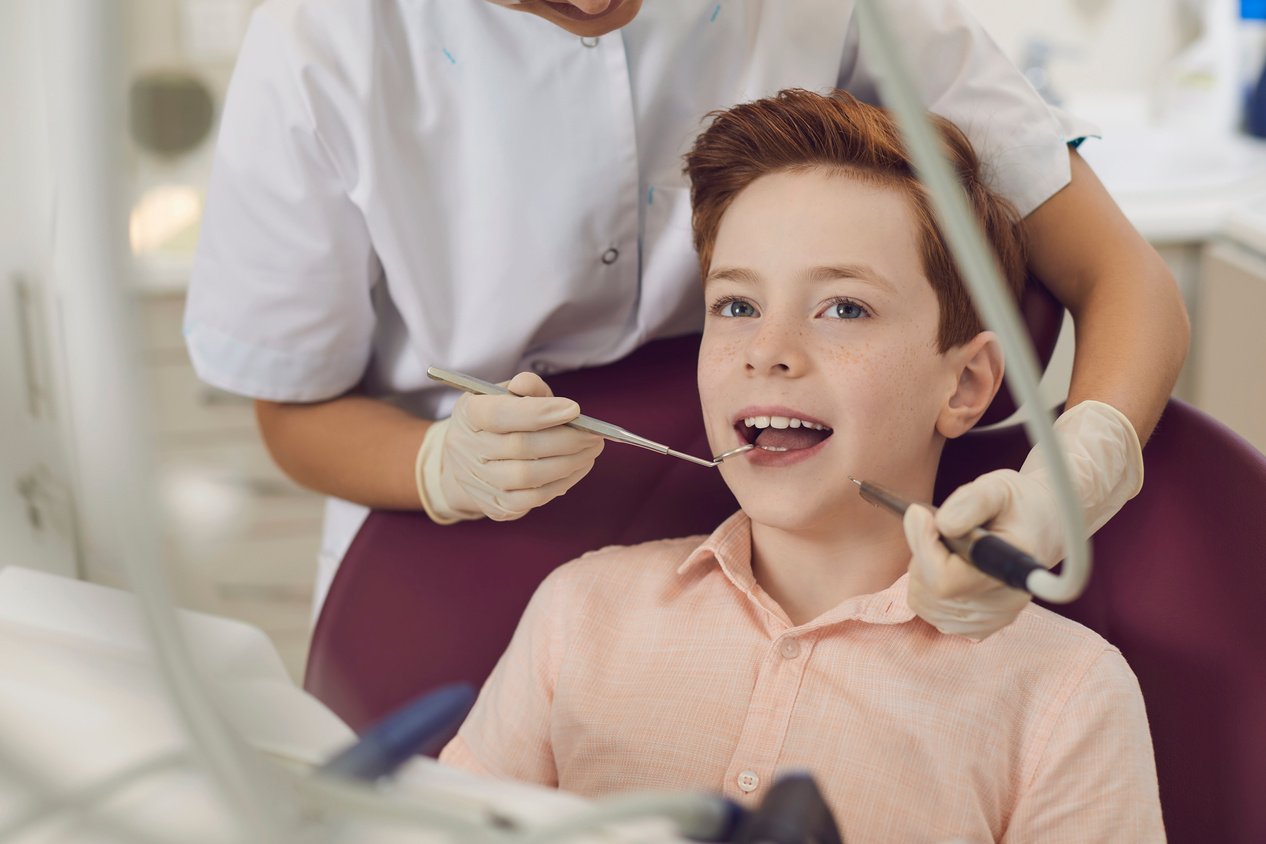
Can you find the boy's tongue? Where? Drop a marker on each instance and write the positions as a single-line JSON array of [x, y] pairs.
[[790, 439]]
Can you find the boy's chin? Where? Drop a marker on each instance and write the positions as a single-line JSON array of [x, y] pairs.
[[790, 513]]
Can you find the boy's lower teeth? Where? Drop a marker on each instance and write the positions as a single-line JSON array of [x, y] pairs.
[[771, 448]]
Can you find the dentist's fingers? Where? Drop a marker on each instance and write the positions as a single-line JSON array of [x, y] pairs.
[[514, 475], [500, 456], [503, 506], [529, 384], [510, 414], [976, 503], [948, 592], [936, 573], [535, 445]]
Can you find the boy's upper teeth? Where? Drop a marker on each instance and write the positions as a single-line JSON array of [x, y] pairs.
[[781, 422]]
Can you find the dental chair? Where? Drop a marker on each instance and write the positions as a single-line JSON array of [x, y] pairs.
[[1179, 575]]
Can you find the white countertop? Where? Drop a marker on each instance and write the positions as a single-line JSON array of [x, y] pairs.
[[1247, 225], [1177, 183]]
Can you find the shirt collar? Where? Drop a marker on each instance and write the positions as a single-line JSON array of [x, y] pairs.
[[730, 547]]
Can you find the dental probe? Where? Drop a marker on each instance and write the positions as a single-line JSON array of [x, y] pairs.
[[606, 430], [986, 551]]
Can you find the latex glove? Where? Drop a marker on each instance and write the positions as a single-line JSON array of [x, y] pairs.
[[502, 456], [1106, 460]]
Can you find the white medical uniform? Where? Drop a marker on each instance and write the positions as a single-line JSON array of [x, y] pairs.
[[401, 183]]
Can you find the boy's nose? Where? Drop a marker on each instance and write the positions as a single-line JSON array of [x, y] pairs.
[[776, 348]]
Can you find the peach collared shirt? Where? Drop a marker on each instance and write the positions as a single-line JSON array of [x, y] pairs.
[[666, 666]]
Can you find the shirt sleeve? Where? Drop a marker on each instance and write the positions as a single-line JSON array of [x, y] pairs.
[[1096, 778], [962, 75], [507, 733], [279, 302]]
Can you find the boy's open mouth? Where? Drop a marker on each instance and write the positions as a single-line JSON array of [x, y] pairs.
[[781, 433]]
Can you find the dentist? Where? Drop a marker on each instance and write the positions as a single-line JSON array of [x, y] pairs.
[[496, 187]]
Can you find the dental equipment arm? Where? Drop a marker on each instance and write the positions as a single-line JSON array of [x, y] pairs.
[[420, 726], [981, 274]]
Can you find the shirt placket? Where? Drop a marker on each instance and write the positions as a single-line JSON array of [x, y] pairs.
[[618, 254], [751, 769]]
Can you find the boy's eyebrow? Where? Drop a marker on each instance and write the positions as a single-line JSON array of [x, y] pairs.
[[732, 274], [864, 272], [859, 271]]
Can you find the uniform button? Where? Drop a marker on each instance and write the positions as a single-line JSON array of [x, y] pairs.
[[789, 648], [610, 256], [589, 42], [748, 781]]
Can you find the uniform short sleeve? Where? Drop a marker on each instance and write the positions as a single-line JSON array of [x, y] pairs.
[[962, 75], [1095, 780], [279, 303], [507, 733]]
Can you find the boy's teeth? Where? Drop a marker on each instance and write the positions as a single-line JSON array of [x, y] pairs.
[[781, 422]]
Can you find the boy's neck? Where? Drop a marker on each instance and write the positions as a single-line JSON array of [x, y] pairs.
[[808, 573]]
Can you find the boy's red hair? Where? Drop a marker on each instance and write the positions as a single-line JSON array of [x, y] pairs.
[[801, 130]]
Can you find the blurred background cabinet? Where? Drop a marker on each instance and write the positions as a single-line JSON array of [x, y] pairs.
[[1229, 355], [246, 537]]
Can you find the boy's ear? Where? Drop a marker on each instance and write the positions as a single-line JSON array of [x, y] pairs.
[[978, 366]]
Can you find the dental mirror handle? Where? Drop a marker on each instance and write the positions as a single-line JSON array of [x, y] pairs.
[[985, 550], [588, 424]]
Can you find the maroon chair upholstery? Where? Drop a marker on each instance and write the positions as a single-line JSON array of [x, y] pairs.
[[1178, 585], [1043, 316]]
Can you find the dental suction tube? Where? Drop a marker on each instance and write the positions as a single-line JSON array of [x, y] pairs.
[[115, 466], [975, 262]]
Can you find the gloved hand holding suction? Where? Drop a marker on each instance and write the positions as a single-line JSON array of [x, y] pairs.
[[1106, 461], [502, 456]]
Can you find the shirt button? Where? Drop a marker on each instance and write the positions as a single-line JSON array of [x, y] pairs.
[[789, 648], [589, 42], [748, 781], [542, 368], [610, 256]]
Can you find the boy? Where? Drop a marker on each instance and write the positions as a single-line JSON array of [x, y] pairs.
[[840, 340]]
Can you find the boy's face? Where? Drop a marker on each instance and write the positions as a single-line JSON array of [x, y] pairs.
[[580, 17], [819, 310]]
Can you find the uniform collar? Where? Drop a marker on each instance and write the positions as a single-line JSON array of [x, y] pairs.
[[729, 547]]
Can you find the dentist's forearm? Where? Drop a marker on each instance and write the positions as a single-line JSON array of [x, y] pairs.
[[1132, 340], [1131, 325], [352, 447]]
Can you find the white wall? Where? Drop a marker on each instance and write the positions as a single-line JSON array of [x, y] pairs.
[[1110, 46], [37, 526]]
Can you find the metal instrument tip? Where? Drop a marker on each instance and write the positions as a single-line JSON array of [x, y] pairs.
[[743, 449], [854, 480]]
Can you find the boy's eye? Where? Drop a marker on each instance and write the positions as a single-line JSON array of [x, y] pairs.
[[733, 308], [845, 309]]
